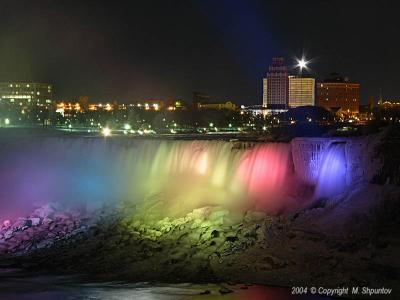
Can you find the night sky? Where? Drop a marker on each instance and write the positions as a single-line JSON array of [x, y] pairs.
[[132, 50]]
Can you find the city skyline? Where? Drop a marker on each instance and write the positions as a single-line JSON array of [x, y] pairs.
[[137, 51]]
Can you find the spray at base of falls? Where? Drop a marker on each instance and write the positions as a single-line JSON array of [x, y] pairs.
[[179, 175]]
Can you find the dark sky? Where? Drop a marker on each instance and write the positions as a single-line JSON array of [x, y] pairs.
[[131, 50]]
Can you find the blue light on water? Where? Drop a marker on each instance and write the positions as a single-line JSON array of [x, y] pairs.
[[332, 172]]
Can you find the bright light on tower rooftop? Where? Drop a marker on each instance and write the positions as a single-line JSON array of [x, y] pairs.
[[302, 63]]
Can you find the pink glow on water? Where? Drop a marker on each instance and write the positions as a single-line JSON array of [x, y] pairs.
[[265, 172]]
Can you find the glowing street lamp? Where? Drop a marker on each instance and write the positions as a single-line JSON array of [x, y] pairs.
[[7, 121], [106, 131]]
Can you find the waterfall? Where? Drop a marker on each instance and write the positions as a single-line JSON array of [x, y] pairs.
[[332, 171], [182, 175]]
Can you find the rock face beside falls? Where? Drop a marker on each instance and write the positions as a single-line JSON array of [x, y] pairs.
[[349, 241]]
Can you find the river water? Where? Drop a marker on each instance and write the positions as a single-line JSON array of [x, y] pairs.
[[22, 285]]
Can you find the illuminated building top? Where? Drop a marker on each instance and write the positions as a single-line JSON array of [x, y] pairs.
[[277, 84]]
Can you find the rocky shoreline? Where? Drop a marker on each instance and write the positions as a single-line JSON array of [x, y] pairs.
[[354, 236], [42, 229]]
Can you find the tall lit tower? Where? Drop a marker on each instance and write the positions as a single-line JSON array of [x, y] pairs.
[[301, 91], [277, 85]]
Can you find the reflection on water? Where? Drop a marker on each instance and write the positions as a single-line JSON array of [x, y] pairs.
[[20, 285]]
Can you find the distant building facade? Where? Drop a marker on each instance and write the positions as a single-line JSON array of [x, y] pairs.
[[26, 103], [301, 91], [227, 105], [337, 93], [277, 85], [199, 97], [27, 93]]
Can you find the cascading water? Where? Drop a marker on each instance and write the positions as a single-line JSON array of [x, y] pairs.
[[181, 175], [332, 172]]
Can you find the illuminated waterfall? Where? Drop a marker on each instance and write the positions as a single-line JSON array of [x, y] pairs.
[[182, 175], [332, 172]]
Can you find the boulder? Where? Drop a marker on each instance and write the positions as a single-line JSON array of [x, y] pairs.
[[20, 223], [35, 221], [6, 223], [8, 234], [224, 290]]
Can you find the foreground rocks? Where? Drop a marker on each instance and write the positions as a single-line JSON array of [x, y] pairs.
[[349, 241], [42, 229]]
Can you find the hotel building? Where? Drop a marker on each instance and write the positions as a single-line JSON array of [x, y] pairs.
[[336, 93]]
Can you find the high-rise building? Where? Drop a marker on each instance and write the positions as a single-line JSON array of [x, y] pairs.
[[277, 85], [301, 91], [337, 93]]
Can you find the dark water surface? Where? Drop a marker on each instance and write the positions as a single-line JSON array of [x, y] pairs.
[[21, 285]]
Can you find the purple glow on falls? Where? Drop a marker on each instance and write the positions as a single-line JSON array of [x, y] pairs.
[[332, 171]]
